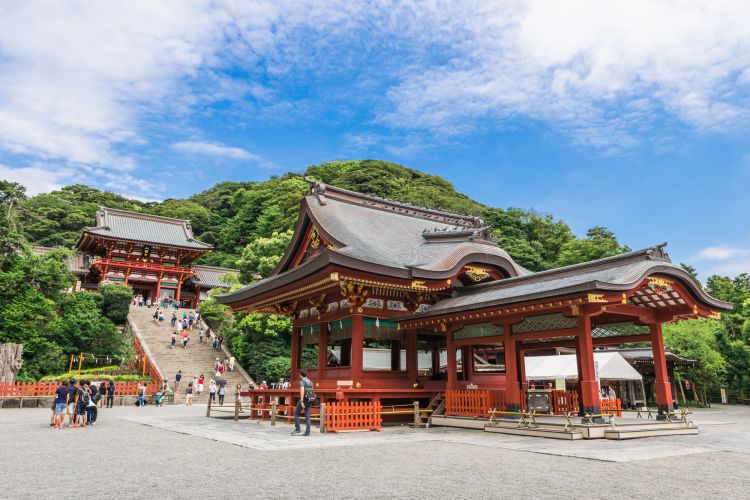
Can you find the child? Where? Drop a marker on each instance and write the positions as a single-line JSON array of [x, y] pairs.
[[189, 395]]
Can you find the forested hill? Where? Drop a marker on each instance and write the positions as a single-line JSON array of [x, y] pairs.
[[231, 214]]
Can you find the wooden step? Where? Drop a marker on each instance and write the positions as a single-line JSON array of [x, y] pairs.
[[536, 432], [623, 433]]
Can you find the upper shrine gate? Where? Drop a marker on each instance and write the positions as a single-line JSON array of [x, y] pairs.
[[365, 275]]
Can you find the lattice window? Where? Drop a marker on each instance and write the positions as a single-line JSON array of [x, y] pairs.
[[544, 322], [618, 330], [477, 331]]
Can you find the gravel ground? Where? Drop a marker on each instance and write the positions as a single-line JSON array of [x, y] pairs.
[[126, 459]]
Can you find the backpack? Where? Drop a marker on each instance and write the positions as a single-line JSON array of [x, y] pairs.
[[310, 395], [85, 398]]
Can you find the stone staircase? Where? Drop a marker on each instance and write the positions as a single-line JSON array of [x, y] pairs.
[[195, 360]]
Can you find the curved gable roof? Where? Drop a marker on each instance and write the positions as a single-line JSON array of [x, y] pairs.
[[427, 242]]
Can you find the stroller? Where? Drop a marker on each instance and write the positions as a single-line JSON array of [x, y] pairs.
[[159, 398]]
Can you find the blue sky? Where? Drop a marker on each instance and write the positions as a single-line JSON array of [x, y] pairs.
[[633, 116]]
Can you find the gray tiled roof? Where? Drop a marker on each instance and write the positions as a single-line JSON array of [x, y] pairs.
[[210, 277], [612, 274], [395, 239], [136, 226]]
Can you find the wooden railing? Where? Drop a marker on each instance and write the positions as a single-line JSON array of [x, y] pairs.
[[346, 416], [47, 389], [473, 402], [147, 368], [564, 402]]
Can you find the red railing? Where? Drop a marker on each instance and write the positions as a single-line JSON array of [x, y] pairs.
[[346, 416], [473, 402], [564, 402], [47, 389], [147, 367]]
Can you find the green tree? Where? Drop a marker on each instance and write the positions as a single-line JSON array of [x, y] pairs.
[[599, 243], [116, 301], [83, 328], [697, 339], [262, 255]]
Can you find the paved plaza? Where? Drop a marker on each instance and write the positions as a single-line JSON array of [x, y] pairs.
[[176, 452]]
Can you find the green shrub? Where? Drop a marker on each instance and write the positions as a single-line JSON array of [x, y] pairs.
[[116, 302]]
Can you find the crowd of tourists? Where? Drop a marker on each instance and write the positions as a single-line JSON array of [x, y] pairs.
[[79, 401], [162, 302]]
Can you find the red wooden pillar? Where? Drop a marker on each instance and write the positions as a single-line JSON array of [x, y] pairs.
[[294, 375], [435, 360], [322, 349], [158, 286], [512, 389], [412, 357], [358, 339], [451, 359], [179, 289], [587, 375], [661, 375]]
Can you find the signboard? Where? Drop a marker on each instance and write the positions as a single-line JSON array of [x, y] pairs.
[[559, 384], [146, 252]]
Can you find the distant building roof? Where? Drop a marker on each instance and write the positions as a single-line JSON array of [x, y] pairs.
[[210, 276], [135, 226]]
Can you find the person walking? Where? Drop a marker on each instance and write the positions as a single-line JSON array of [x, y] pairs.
[[161, 318], [231, 364], [200, 384], [189, 395], [110, 394], [61, 401], [82, 401], [215, 344], [173, 321], [191, 320], [173, 340], [237, 392], [220, 338], [222, 393], [177, 379], [306, 397], [212, 390], [185, 339], [201, 334]]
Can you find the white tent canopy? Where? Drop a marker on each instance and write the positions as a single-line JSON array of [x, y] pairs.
[[612, 366]]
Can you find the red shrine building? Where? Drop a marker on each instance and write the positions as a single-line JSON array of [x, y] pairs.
[[453, 308], [152, 254]]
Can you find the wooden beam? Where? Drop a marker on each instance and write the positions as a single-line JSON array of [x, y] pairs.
[[548, 334]]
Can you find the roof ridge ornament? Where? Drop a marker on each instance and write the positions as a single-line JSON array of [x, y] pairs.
[[316, 188]]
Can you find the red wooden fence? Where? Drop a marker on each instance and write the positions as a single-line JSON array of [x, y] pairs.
[[345, 416], [47, 389], [564, 401], [473, 402]]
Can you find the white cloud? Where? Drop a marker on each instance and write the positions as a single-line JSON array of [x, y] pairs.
[[719, 253], [36, 179], [603, 72], [214, 149], [87, 82]]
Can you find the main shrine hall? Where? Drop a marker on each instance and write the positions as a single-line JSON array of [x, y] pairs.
[[364, 273]]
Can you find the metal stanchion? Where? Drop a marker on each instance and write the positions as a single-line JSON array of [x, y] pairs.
[[208, 408], [417, 419], [237, 407], [273, 412]]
